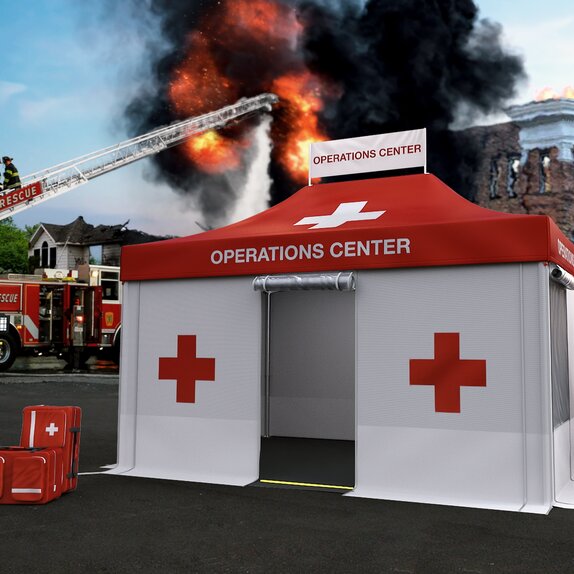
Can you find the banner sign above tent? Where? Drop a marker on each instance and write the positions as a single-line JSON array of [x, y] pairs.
[[398, 150]]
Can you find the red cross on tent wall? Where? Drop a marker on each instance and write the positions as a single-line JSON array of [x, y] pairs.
[[186, 368], [447, 372]]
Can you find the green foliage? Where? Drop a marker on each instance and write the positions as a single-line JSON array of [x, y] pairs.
[[13, 248], [30, 230]]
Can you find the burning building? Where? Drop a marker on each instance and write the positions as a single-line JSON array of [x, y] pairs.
[[528, 164]]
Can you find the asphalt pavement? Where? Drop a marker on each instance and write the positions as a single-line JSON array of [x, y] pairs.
[[120, 524]]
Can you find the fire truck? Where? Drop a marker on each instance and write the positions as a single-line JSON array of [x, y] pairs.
[[69, 314], [76, 314]]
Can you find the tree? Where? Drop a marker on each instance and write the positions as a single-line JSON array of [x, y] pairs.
[[30, 230], [13, 248]]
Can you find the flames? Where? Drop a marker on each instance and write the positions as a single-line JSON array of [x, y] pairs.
[[550, 94], [198, 86], [213, 152], [264, 21], [302, 92], [264, 31]]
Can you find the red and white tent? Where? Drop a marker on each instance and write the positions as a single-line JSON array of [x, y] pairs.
[[442, 350]]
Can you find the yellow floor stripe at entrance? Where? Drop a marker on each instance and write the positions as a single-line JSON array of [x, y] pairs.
[[306, 484]]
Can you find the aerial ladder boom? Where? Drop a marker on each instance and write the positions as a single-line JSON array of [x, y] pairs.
[[54, 181]]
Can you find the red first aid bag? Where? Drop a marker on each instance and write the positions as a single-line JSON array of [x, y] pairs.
[[30, 475], [55, 427]]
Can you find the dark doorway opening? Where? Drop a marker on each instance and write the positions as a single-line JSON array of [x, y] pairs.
[[307, 463], [309, 397]]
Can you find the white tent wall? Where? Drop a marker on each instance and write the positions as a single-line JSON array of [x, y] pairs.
[[216, 439], [127, 407], [563, 431], [497, 452], [312, 364]]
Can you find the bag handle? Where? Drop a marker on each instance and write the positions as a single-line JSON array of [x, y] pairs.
[[75, 462], [21, 448]]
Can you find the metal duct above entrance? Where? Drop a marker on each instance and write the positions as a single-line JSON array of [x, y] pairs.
[[339, 281]]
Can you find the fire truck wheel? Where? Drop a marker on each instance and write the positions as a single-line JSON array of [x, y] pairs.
[[8, 351]]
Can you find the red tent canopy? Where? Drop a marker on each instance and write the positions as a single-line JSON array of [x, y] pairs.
[[408, 221]]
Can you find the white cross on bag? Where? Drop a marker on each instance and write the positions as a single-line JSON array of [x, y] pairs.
[[52, 429], [350, 211]]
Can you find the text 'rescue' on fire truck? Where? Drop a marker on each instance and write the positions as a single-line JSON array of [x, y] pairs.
[[70, 314]]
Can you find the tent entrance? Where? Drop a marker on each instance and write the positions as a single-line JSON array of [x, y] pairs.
[[308, 395], [320, 464]]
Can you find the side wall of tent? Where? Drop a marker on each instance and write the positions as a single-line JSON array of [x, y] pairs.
[[216, 439], [562, 322], [495, 453]]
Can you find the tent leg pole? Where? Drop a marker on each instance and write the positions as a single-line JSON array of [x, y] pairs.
[[267, 365]]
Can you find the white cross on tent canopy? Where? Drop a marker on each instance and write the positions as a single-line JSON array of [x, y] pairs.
[[345, 212]]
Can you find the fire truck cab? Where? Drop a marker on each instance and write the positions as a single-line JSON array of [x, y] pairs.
[[59, 315], [107, 279]]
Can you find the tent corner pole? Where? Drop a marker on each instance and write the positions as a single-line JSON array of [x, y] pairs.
[[267, 366]]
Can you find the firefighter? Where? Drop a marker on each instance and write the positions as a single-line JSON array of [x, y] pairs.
[[11, 175]]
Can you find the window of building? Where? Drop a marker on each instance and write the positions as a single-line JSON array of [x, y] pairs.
[[52, 257], [545, 184], [512, 174], [493, 181], [44, 259]]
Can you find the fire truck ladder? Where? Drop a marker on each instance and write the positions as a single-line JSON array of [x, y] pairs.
[[54, 181]]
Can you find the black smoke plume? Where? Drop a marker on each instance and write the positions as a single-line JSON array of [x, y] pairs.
[[397, 65], [409, 64]]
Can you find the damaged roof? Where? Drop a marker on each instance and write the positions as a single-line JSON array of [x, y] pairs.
[[81, 233]]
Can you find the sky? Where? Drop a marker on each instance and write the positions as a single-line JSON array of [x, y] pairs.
[[67, 75]]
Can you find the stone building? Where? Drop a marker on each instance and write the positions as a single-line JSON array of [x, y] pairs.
[[528, 163]]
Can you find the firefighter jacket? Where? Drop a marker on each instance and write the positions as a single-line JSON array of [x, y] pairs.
[[11, 177]]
